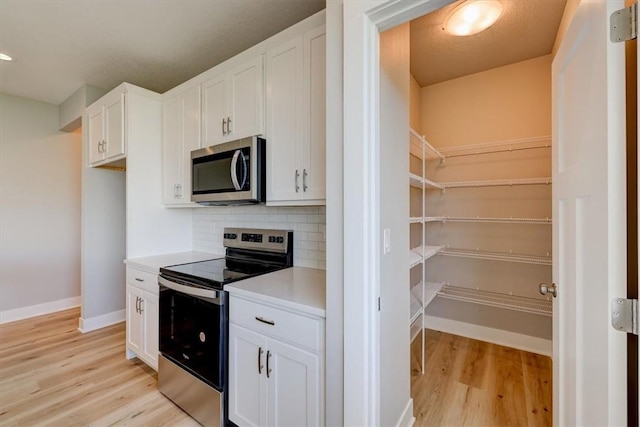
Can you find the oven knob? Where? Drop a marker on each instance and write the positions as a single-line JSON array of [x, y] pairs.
[[280, 239], [203, 337]]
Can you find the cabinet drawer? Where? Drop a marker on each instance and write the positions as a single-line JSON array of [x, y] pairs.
[[295, 328], [143, 280]]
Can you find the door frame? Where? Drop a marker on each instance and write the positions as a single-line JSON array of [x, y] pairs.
[[363, 22]]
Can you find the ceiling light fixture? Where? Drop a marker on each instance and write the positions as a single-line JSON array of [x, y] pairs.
[[473, 16], [5, 57]]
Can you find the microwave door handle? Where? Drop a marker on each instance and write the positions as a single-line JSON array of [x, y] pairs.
[[234, 176]]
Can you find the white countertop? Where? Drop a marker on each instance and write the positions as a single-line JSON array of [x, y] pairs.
[[152, 264], [297, 288]]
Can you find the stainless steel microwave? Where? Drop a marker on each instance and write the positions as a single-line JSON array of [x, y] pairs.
[[232, 173]]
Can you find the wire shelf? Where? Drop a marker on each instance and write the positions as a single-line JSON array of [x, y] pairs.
[[419, 145], [496, 299], [421, 253], [496, 256], [498, 147], [418, 300], [417, 182], [494, 183], [509, 220]]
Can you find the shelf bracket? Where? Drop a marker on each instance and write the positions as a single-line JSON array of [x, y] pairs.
[[624, 315], [624, 24]]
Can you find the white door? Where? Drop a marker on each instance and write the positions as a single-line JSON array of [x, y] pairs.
[[589, 228], [150, 315], [284, 117], [191, 118], [246, 100], [96, 133], [171, 150], [293, 386], [114, 125], [247, 373], [314, 147], [134, 320], [214, 111]]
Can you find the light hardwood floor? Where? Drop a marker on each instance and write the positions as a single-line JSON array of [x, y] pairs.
[[474, 383], [51, 374]]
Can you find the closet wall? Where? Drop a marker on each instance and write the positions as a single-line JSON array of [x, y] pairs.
[[512, 102]]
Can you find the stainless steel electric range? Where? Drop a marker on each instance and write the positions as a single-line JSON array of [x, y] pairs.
[[194, 319]]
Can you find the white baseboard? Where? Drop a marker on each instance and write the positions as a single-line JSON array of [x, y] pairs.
[[494, 336], [98, 322], [38, 309], [407, 419]]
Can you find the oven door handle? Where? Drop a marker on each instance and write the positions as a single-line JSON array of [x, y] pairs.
[[188, 290]]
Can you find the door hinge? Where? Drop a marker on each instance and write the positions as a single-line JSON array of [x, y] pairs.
[[624, 24], [624, 315]]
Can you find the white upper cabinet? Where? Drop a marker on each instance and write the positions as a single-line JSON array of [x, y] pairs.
[[181, 120], [295, 125], [106, 129], [232, 106]]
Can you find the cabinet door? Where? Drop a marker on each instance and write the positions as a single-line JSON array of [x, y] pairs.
[[293, 388], [171, 150], [151, 329], [191, 118], [246, 98], [284, 121], [314, 142], [134, 320], [214, 111], [114, 126], [247, 373], [95, 133]]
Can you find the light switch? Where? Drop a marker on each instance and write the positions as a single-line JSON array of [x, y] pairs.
[[386, 240]]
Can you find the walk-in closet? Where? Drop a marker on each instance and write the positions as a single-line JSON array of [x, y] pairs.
[[480, 223]]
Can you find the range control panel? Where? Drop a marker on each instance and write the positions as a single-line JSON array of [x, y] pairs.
[[258, 239]]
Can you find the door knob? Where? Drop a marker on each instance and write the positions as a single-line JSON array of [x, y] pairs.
[[546, 289]]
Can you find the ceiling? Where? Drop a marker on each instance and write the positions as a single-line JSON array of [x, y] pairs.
[[527, 29], [60, 45]]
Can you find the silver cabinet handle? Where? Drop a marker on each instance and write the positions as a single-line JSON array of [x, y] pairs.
[[268, 322], [234, 169], [100, 147], [268, 357], [260, 351], [228, 125], [224, 123], [137, 304], [297, 176], [179, 191], [141, 309], [139, 279], [304, 180]]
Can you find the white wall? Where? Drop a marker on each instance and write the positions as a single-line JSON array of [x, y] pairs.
[[307, 223], [39, 208], [394, 211]]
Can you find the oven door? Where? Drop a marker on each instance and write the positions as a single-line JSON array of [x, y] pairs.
[[193, 330], [228, 173]]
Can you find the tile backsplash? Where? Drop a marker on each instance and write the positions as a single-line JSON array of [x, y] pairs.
[[308, 225]]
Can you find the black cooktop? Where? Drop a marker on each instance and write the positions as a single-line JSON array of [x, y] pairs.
[[216, 273]]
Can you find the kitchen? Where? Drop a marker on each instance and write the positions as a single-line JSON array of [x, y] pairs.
[[334, 288]]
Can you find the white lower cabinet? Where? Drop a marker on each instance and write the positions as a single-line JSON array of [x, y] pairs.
[[142, 316], [273, 381]]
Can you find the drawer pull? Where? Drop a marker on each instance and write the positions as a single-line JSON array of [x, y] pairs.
[[268, 322], [139, 279]]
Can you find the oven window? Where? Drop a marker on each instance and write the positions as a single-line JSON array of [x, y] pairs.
[[192, 334]]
